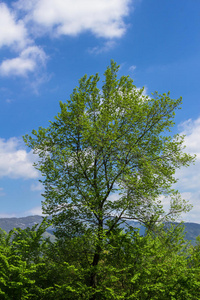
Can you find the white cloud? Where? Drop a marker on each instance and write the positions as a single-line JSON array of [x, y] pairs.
[[28, 61], [103, 48], [191, 128], [5, 215], [132, 68], [28, 19], [15, 36], [189, 177], [68, 17], [16, 162], [114, 197], [12, 31], [193, 198], [34, 211], [2, 192], [31, 212], [36, 187]]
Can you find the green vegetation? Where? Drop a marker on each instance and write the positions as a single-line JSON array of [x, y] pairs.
[[106, 159], [159, 265]]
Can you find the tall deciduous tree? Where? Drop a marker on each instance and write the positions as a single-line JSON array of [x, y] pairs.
[[107, 157]]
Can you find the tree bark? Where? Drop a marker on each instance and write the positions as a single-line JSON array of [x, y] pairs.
[[93, 276], [96, 258]]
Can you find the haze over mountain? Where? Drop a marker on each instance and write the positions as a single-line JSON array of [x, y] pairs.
[[192, 229]]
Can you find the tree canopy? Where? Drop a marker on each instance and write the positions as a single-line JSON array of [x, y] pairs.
[[107, 157]]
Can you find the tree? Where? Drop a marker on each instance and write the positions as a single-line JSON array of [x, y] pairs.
[[154, 266], [20, 257], [108, 143]]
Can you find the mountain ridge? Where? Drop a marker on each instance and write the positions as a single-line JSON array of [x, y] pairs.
[[192, 230]]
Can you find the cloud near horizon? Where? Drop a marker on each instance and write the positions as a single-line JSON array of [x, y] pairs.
[[32, 212], [189, 177]]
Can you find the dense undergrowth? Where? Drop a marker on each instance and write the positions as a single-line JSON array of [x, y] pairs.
[[159, 265]]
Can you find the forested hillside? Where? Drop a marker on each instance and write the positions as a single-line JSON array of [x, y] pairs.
[[159, 265]]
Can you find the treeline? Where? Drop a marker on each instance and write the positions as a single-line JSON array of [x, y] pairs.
[[159, 265]]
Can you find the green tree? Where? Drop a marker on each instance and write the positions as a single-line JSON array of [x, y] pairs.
[[107, 142], [29, 242], [154, 266], [21, 254]]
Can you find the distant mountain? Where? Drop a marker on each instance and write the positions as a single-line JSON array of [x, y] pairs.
[[192, 229], [8, 224]]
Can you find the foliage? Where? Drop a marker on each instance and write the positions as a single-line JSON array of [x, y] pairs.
[[103, 143], [106, 158], [107, 141], [159, 265], [149, 267], [20, 253]]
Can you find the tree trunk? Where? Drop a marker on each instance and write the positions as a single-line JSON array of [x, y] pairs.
[[93, 276]]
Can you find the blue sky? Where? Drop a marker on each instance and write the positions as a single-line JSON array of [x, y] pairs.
[[47, 45]]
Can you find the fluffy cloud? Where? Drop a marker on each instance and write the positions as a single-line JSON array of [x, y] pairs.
[[15, 36], [27, 61], [28, 19], [36, 187], [189, 178], [103, 48], [16, 162], [68, 17], [34, 211], [191, 128], [12, 31]]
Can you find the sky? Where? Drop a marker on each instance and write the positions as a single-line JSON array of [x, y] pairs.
[[46, 46]]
